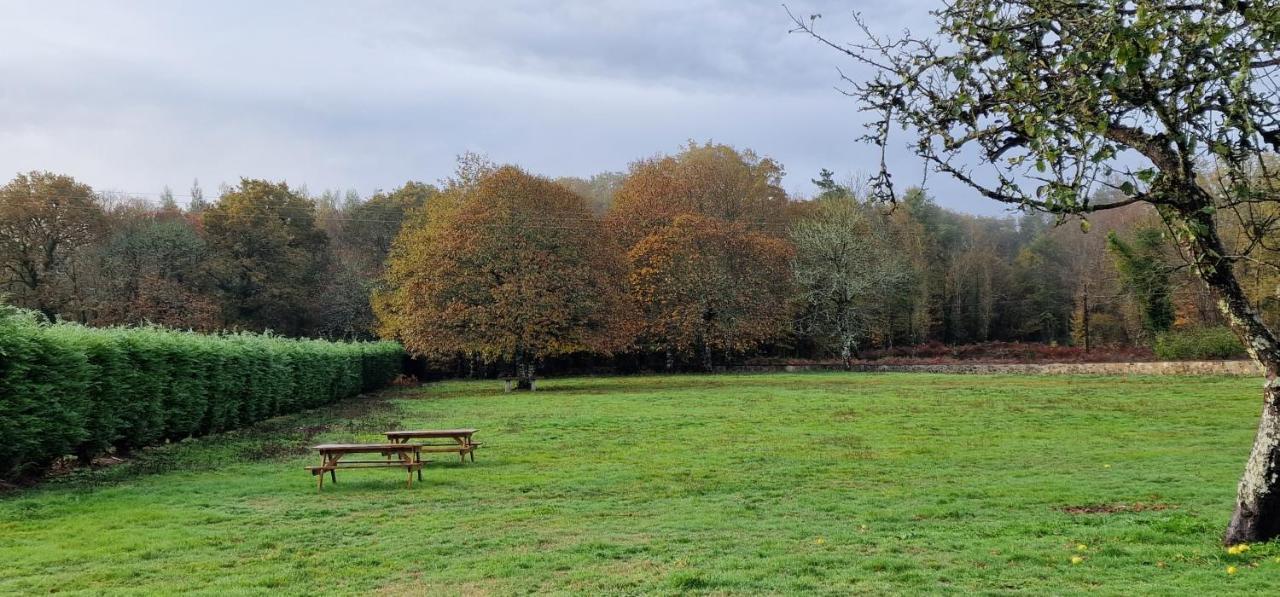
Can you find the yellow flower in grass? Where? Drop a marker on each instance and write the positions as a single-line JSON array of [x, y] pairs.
[[1238, 549], [819, 540], [1231, 569], [1076, 560], [1081, 547]]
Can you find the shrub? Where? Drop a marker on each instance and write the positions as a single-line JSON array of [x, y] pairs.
[[108, 386], [44, 384], [69, 389], [1199, 343]]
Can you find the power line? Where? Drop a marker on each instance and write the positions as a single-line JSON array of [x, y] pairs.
[[314, 214]]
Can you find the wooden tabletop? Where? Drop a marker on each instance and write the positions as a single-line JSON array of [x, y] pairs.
[[364, 447], [432, 433]]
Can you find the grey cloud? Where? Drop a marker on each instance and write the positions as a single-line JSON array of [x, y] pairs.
[[135, 95]]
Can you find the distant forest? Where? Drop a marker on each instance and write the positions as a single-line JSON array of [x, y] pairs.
[[716, 263]]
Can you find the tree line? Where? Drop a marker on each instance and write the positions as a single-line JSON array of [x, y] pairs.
[[683, 261], [261, 256]]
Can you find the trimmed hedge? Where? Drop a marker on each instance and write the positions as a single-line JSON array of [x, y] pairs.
[[69, 389], [1199, 344]]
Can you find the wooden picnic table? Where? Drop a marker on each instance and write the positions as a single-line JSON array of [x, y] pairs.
[[461, 438], [408, 457]]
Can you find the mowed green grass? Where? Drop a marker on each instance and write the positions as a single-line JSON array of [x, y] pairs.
[[829, 483]]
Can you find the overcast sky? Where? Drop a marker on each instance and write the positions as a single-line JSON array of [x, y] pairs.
[[132, 96]]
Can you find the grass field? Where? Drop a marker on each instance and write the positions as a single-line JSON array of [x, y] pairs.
[[831, 483]]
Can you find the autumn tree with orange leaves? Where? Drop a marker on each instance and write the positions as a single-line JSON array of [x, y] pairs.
[[708, 258], [507, 267], [712, 180], [707, 285]]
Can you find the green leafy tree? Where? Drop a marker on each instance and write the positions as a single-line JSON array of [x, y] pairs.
[[362, 239], [370, 227], [1145, 276], [268, 257], [828, 187], [940, 239], [1060, 99], [1043, 289], [154, 270]]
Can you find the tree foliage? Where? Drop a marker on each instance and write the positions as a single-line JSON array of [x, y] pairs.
[[711, 180], [847, 268], [155, 271], [703, 284], [677, 217], [46, 221], [1060, 100], [598, 189], [504, 266], [370, 227], [1143, 273], [268, 255]]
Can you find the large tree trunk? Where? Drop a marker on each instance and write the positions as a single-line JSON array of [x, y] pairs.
[[1257, 513], [524, 371], [846, 351]]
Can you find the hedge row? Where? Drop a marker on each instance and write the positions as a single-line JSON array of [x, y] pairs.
[[68, 389], [1198, 344]]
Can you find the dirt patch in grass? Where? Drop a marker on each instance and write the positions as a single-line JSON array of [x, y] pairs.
[[844, 415], [295, 443], [1118, 508]]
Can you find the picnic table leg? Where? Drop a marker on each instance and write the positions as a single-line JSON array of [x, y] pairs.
[[324, 461], [462, 449], [408, 460]]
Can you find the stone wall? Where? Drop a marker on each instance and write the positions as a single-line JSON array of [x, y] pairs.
[[1134, 368]]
